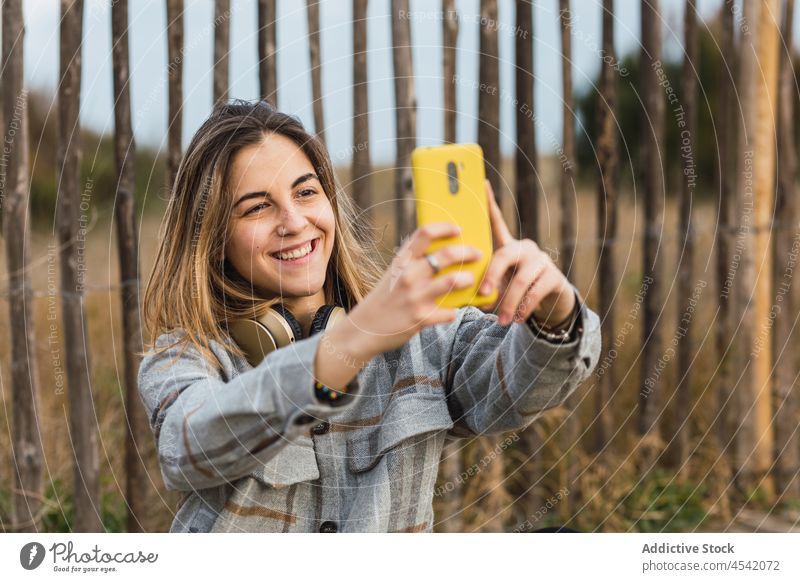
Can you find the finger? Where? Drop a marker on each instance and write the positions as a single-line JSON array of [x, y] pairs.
[[501, 235], [420, 269], [502, 286], [534, 296], [414, 273], [421, 238], [448, 256], [447, 283], [519, 286], [501, 261]]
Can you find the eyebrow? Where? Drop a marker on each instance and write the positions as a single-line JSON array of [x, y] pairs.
[[267, 195]]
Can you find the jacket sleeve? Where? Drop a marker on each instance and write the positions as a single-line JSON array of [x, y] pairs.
[[499, 378], [210, 430]]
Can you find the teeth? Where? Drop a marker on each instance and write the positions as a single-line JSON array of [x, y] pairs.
[[295, 254]]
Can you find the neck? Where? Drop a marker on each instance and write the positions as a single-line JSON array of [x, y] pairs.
[[304, 308]]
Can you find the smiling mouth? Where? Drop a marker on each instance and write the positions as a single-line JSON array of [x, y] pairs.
[[297, 255]]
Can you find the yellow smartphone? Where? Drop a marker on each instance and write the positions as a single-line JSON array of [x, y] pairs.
[[449, 186]]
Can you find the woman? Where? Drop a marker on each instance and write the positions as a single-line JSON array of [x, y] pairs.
[[263, 448]]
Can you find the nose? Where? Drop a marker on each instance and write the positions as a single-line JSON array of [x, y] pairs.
[[291, 221]]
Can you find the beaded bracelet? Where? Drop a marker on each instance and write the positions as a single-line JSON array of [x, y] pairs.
[[325, 393]]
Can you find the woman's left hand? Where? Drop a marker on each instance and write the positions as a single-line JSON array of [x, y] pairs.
[[528, 281]]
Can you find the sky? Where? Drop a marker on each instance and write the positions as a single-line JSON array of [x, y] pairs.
[[148, 54]]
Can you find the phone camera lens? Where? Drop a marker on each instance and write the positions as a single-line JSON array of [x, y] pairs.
[[452, 177]]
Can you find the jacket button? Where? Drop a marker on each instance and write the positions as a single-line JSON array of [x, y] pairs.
[[321, 428], [328, 527]]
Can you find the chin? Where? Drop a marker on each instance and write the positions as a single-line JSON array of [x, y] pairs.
[[292, 292]]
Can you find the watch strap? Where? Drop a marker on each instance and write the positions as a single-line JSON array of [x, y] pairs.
[[564, 332]]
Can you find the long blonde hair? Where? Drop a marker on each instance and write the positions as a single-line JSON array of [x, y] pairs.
[[192, 287]]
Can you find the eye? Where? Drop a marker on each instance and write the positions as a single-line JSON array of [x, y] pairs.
[[307, 192], [257, 207]]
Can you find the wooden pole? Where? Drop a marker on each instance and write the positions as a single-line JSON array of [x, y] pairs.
[[760, 69], [729, 126], [406, 118], [222, 43], [687, 130], [527, 200], [526, 156], [83, 420], [175, 88], [450, 38], [267, 51], [569, 211], [138, 439], [744, 271], [489, 97], [652, 188], [568, 193], [787, 240], [26, 449], [360, 177], [607, 193], [312, 9]]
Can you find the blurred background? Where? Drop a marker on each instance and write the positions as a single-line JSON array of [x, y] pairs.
[[649, 146]]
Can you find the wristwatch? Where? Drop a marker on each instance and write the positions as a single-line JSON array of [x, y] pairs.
[[562, 333]]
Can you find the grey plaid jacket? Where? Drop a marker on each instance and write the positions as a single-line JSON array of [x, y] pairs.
[[255, 451]]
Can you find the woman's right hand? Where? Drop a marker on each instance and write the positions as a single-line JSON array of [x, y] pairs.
[[402, 303], [405, 299]]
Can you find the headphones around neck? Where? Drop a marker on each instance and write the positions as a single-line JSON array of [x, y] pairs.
[[278, 328]]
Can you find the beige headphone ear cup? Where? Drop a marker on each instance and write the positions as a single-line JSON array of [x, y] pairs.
[[337, 314], [257, 338], [325, 317]]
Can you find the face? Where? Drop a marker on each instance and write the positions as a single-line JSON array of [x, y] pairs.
[[281, 209]]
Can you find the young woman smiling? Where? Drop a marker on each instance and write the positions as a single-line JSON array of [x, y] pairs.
[[257, 219]]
